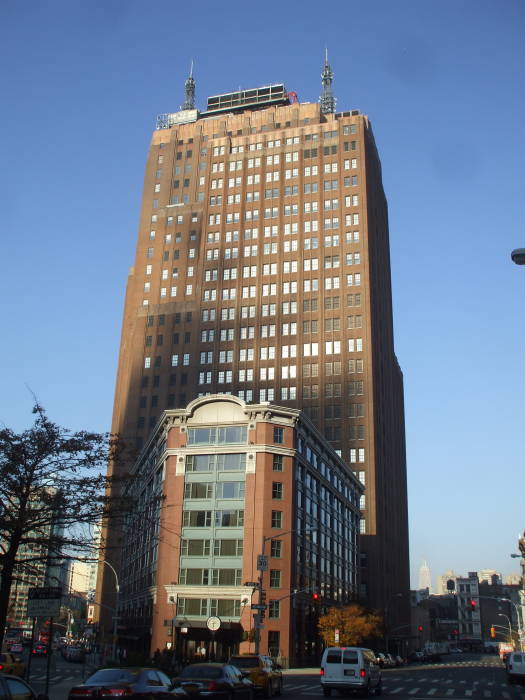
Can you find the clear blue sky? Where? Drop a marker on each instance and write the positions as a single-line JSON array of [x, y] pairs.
[[82, 82]]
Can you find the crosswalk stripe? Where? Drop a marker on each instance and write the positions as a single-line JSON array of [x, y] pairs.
[[468, 693], [413, 691], [397, 690], [432, 691], [449, 692]]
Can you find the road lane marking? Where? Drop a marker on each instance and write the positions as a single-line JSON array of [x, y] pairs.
[[449, 692], [432, 691], [468, 693], [413, 691], [397, 690]]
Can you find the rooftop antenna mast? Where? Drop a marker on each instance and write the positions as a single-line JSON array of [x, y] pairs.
[[327, 99], [189, 91]]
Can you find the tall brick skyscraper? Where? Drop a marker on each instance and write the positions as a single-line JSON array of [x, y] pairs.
[[262, 269]]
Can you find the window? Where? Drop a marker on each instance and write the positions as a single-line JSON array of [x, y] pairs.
[[278, 463], [277, 518], [277, 490], [278, 435], [275, 578], [274, 609], [276, 549]]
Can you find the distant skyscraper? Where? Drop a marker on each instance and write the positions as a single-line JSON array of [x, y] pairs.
[[425, 580], [262, 270]]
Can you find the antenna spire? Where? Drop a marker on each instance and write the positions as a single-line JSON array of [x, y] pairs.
[[189, 91], [327, 99]]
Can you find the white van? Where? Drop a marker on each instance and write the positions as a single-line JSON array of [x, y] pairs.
[[350, 668], [516, 666]]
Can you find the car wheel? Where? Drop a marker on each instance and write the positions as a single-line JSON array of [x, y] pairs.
[[327, 692]]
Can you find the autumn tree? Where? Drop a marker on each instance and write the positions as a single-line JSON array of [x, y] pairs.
[[353, 622], [53, 487]]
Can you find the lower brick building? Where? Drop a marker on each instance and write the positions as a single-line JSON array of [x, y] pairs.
[[218, 484]]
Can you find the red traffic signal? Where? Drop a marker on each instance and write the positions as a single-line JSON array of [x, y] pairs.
[[316, 597], [492, 632], [473, 605], [420, 628]]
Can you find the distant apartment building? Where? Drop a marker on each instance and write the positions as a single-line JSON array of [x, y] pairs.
[[443, 582], [219, 483], [468, 605], [32, 570]]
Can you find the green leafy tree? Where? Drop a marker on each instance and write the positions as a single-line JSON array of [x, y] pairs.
[[354, 624], [52, 488]]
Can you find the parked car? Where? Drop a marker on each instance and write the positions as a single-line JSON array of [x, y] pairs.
[[381, 659], [39, 650], [16, 648], [213, 680], [400, 661], [516, 667], [9, 663], [417, 656], [455, 650], [14, 688], [350, 668], [131, 682], [390, 661], [265, 675], [74, 653]]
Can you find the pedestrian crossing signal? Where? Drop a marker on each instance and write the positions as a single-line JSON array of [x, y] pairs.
[[492, 632]]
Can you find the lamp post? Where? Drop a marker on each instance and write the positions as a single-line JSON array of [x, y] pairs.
[[510, 626], [115, 617], [520, 630], [518, 256], [387, 639], [262, 566]]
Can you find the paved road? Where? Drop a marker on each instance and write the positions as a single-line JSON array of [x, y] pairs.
[[475, 678], [472, 677]]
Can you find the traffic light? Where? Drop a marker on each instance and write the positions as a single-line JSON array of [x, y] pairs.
[[316, 597], [420, 628], [473, 605], [492, 632]]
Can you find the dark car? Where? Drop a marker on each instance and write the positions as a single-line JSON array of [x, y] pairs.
[[14, 688], [213, 680], [39, 650], [131, 682]]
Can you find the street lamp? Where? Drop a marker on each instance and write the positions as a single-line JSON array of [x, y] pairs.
[[520, 631], [518, 256], [387, 640], [262, 566], [510, 626], [115, 617]]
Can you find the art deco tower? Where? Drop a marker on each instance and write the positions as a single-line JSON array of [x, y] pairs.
[[262, 269]]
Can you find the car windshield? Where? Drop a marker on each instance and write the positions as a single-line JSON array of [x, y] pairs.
[[113, 675], [201, 672], [242, 662]]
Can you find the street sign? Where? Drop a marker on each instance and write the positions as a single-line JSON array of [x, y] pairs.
[[258, 606], [262, 562], [251, 584], [44, 602]]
